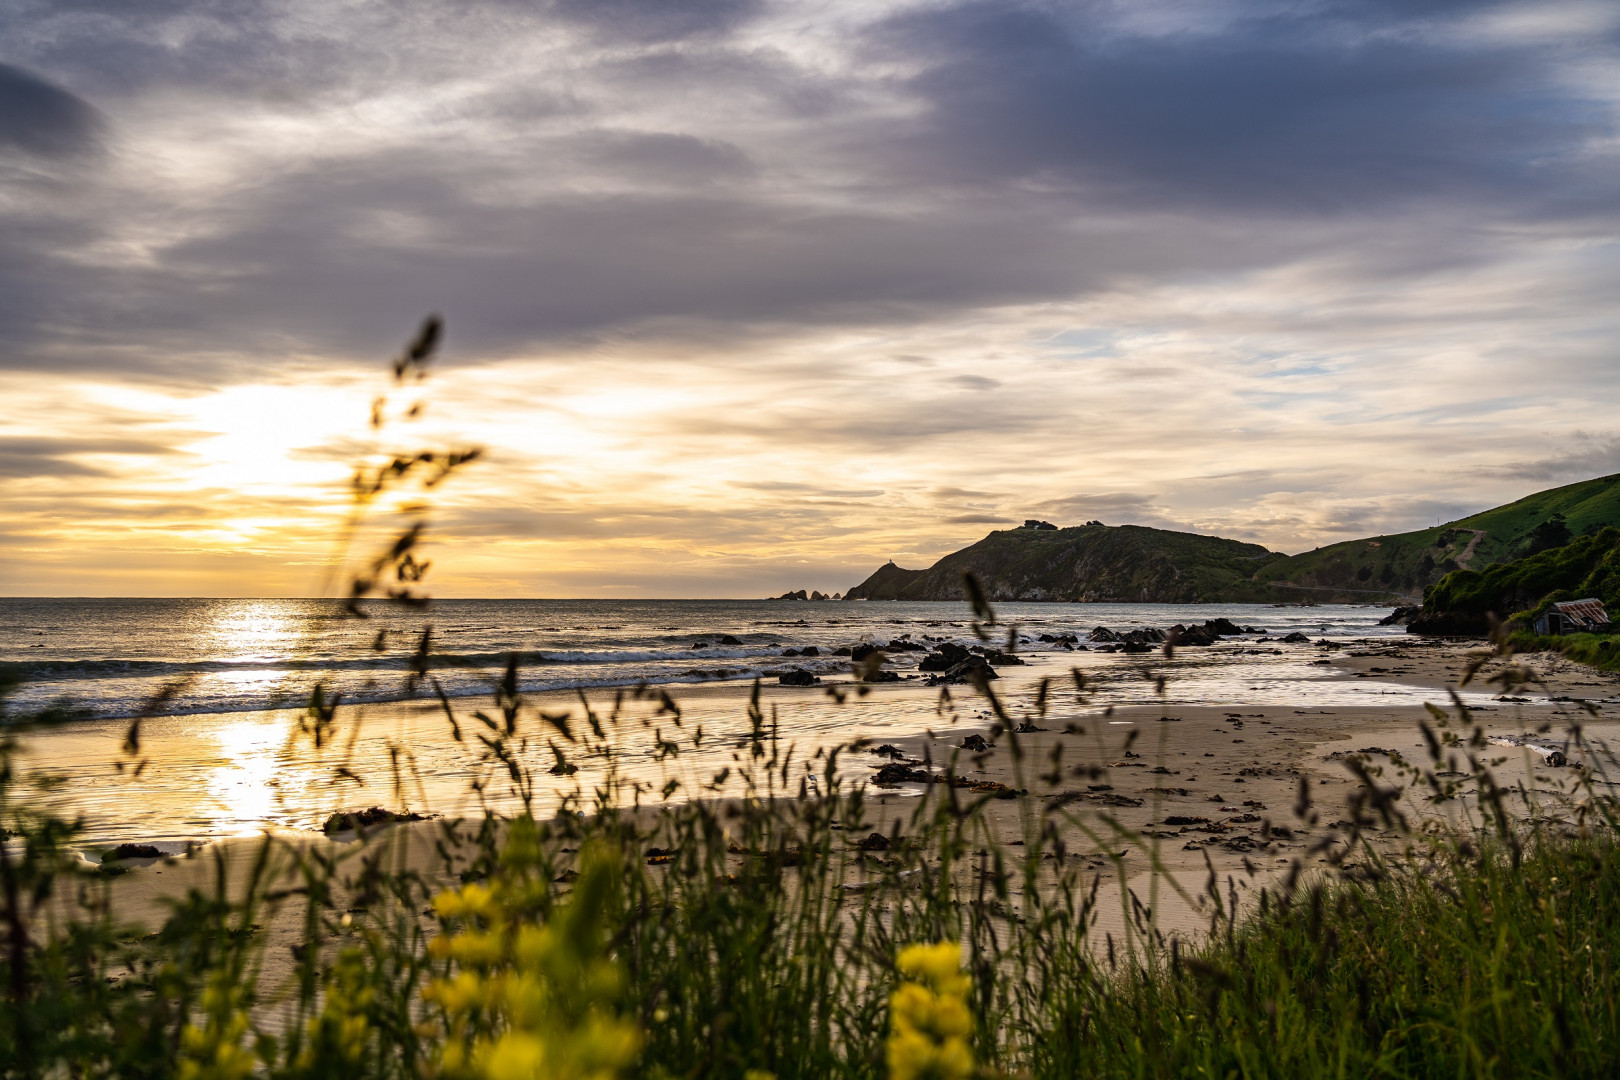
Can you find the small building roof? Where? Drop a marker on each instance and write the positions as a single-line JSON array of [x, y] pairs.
[[1588, 612]]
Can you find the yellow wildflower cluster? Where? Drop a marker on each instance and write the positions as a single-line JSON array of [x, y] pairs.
[[340, 1033], [214, 1051], [929, 1022], [526, 993]]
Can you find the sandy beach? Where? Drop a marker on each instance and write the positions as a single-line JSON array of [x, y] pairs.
[[1163, 794]]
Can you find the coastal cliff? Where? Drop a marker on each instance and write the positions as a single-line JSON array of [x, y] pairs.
[[1125, 563], [1136, 564]]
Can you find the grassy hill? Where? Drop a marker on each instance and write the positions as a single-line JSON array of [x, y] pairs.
[[1133, 563], [1091, 562], [1402, 565]]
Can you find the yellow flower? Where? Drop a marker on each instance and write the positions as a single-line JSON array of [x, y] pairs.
[[939, 966], [929, 1021], [473, 899], [913, 1056], [515, 1056], [525, 998]]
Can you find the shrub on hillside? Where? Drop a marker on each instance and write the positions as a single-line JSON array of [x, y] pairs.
[[1462, 601]]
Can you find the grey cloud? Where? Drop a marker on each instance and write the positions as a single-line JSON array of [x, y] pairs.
[[1133, 508], [716, 527], [978, 519], [1056, 155], [806, 489], [682, 159], [658, 20], [1590, 455], [959, 493], [41, 118], [892, 425], [295, 257], [1316, 110], [973, 382], [27, 455]]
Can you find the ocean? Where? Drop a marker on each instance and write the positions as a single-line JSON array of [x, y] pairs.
[[222, 688], [114, 657]]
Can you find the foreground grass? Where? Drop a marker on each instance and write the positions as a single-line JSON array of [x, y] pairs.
[[1600, 651], [565, 950], [1472, 966]]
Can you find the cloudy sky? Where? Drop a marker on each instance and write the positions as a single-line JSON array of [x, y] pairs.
[[746, 295]]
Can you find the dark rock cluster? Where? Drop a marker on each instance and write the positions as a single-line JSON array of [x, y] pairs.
[[1143, 640], [1401, 616]]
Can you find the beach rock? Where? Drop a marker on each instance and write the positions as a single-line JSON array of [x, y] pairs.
[[975, 743], [880, 676], [132, 851], [727, 639], [994, 788], [1136, 647], [949, 654], [1102, 633], [1296, 638], [790, 652], [902, 645], [696, 645], [363, 819], [819, 596], [799, 595], [797, 677], [970, 670], [1002, 658], [862, 651], [1192, 635], [875, 842], [809, 650], [1225, 627], [843, 650], [1401, 616], [888, 750], [898, 772]]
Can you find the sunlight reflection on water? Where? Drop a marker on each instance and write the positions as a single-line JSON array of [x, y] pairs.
[[238, 773]]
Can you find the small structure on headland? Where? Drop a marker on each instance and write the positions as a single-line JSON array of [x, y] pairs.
[[1573, 617]]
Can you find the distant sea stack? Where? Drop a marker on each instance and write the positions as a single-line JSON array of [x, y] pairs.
[[888, 582], [1092, 562]]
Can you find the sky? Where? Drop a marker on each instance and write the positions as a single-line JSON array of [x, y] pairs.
[[744, 296]]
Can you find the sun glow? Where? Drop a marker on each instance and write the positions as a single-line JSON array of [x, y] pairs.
[[275, 438]]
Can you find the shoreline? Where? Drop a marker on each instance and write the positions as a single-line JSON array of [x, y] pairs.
[[1197, 791], [253, 772]]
